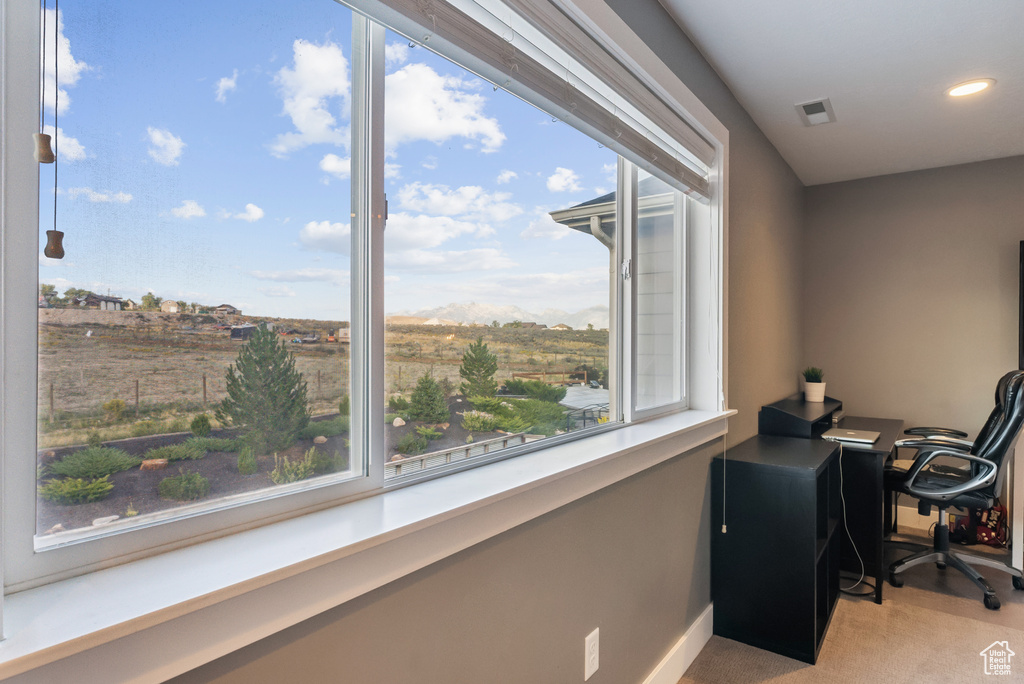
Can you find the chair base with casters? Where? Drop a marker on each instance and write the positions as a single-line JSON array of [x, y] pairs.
[[943, 557]]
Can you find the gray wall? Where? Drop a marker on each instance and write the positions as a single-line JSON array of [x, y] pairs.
[[911, 301], [633, 558]]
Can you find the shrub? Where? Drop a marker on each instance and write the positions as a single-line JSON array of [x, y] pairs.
[[145, 427], [478, 368], [327, 428], [535, 389], [344, 406], [398, 404], [324, 463], [389, 418], [186, 451], [215, 443], [429, 433], [266, 394], [200, 425], [412, 444], [478, 421], [523, 415], [75, 490], [185, 486], [246, 462], [286, 471], [114, 409], [93, 462], [94, 439], [428, 403]]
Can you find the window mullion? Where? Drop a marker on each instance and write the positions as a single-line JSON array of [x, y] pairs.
[[368, 216]]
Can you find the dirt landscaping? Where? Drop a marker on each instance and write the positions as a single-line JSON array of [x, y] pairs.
[[136, 489]]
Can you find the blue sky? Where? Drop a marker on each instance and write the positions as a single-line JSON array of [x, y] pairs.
[[204, 157]]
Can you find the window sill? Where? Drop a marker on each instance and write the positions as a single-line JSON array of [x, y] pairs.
[[204, 601]]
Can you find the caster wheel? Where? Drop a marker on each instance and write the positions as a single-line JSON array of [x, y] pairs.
[[897, 581], [940, 566], [991, 601], [1018, 583]]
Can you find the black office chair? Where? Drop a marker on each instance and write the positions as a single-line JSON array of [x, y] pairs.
[[973, 483]]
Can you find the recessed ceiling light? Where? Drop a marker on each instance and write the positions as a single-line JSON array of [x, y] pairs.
[[970, 87]]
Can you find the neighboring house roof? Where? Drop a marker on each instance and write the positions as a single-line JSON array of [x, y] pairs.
[[598, 214], [102, 298]]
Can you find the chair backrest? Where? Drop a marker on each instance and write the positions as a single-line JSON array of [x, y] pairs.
[[1000, 432]]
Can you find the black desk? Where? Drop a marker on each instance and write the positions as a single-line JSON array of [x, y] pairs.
[[863, 491]]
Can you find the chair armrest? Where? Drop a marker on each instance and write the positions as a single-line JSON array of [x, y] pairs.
[[935, 431], [937, 442], [986, 475]]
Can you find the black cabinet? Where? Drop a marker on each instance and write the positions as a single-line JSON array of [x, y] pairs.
[[775, 571]]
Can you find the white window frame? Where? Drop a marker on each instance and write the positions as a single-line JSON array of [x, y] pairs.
[[707, 373]]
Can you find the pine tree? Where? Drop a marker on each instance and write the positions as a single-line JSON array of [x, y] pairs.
[[266, 394], [428, 403], [478, 368]]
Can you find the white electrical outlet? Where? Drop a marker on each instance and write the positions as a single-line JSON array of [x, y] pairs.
[[591, 652]]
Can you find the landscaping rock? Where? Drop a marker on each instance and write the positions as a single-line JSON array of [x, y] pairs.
[[154, 464], [105, 520], [398, 422], [320, 440], [396, 457], [47, 457], [55, 529]]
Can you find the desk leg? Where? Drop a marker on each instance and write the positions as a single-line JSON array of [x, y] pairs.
[[863, 494]]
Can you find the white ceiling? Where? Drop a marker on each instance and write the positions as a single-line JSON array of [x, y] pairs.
[[885, 65]]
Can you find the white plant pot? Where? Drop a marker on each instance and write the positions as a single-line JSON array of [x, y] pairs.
[[814, 392]]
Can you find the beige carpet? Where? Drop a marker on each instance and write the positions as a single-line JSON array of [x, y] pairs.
[[894, 642]]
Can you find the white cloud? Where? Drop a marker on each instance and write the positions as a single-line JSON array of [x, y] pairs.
[[563, 180], [546, 228], [468, 201], [251, 214], [70, 70], [424, 105], [392, 170], [60, 283], [611, 171], [406, 231], [429, 261], [93, 196], [326, 236], [430, 163], [339, 167], [396, 53], [226, 85], [304, 275], [278, 291], [506, 176], [68, 148], [165, 147], [319, 77], [189, 209]]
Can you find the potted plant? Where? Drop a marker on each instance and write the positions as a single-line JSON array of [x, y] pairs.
[[814, 384]]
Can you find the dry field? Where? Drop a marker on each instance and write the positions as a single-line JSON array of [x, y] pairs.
[[87, 358]]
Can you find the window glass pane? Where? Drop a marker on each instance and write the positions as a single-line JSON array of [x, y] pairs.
[[659, 293], [203, 193], [497, 293]]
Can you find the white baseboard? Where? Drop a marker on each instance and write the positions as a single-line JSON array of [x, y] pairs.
[[684, 652]]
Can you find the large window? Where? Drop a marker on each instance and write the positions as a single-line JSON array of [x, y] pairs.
[[308, 259]]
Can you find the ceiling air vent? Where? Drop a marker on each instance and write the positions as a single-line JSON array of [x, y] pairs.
[[816, 112]]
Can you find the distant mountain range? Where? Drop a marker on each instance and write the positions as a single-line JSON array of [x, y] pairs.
[[486, 313]]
